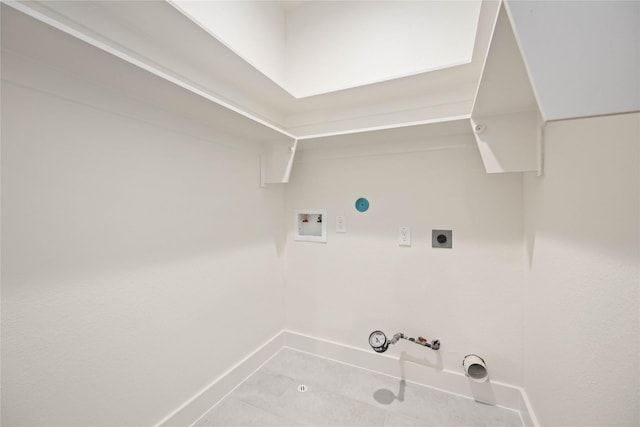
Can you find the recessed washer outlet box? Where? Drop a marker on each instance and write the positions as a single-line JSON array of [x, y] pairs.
[[310, 225], [441, 238]]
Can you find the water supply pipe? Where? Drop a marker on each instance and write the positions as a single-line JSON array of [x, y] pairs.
[[378, 341]]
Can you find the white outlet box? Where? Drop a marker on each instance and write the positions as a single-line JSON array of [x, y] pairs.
[[404, 236], [341, 224]]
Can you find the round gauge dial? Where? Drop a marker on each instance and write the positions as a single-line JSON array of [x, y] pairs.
[[378, 341]]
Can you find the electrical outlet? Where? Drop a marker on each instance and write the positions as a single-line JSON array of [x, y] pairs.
[[404, 236], [341, 224]]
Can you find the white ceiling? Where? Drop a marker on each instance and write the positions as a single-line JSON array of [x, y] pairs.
[[316, 47]]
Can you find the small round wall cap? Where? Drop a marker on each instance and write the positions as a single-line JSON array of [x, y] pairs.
[[362, 204]]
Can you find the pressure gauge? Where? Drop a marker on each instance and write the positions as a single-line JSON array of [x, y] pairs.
[[378, 341]]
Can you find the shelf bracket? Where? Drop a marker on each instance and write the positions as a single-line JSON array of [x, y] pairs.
[[276, 162], [510, 142], [506, 119]]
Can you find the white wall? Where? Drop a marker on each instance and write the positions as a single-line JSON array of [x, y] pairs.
[[582, 299], [470, 297], [583, 56], [337, 45], [254, 30], [139, 262]]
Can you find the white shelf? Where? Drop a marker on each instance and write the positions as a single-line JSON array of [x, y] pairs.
[[46, 58], [505, 116], [450, 133], [213, 90]]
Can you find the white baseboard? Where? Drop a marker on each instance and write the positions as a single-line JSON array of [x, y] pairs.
[[495, 393]]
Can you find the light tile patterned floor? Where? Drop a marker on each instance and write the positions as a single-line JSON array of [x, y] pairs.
[[343, 396]]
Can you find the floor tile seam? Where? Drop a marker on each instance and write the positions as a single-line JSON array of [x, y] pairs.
[[380, 373], [296, 422], [257, 407], [331, 391], [328, 391], [302, 382], [349, 398], [386, 420], [407, 380], [388, 411], [396, 410], [367, 404], [226, 395], [272, 372], [322, 387]]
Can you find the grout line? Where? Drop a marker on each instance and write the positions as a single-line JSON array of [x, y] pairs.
[[266, 410], [241, 382], [222, 377]]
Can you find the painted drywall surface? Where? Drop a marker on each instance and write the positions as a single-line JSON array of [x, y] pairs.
[[319, 47], [254, 30], [337, 45], [139, 263], [469, 296], [582, 295], [583, 56]]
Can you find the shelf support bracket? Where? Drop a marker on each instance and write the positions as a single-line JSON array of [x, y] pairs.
[[276, 162]]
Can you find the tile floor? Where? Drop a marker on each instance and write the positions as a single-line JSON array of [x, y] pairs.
[[343, 395]]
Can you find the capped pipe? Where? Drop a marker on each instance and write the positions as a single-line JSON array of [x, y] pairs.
[[475, 368]]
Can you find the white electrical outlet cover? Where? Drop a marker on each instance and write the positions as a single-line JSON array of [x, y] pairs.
[[341, 224], [404, 236]]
